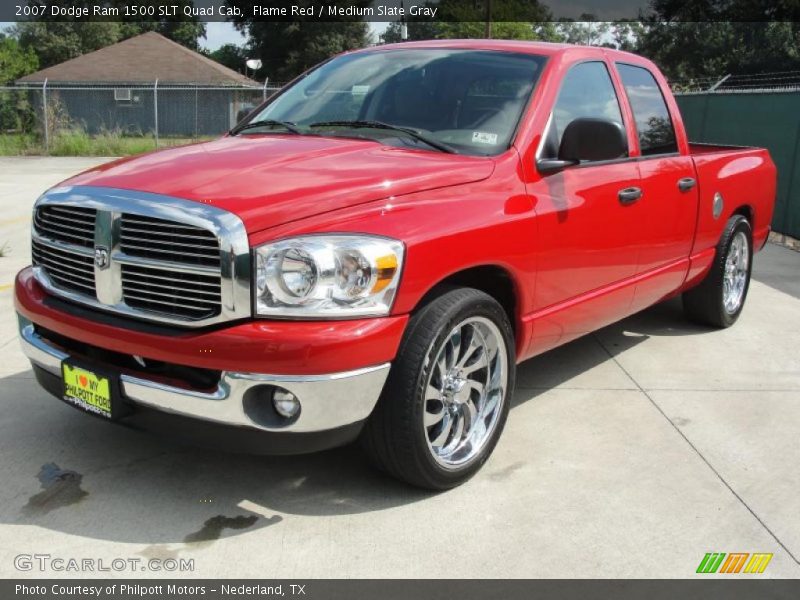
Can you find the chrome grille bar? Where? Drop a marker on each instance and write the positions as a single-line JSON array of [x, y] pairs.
[[202, 248], [72, 225], [181, 294], [69, 270]]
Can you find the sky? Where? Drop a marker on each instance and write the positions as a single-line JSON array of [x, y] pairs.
[[219, 34]]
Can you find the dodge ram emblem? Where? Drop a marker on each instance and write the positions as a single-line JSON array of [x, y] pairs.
[[101, 257]]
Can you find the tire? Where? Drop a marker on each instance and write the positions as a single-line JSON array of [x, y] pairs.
[[715, 301], [413, 433]]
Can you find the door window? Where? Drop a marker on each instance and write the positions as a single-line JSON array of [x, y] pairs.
[[653, 123], [586, 92]]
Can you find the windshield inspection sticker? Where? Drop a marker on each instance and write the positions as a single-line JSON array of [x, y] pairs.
[[480, 137], [359, 90]]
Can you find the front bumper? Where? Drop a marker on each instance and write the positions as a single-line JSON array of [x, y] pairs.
[[329, 401]]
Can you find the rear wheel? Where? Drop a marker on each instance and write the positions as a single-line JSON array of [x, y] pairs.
[[719, 299], [446, 400]]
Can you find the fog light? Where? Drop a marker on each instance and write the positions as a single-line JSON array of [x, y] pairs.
[[286, 403]]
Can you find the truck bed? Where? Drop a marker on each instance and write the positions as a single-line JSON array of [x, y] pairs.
[[744, 177]]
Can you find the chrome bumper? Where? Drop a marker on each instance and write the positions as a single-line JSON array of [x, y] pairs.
[[327, 401]]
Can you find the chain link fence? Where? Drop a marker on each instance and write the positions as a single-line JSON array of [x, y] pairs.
[[783, 81], [51, 115]]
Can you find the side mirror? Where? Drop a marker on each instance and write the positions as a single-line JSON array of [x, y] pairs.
[[592, 139], [551, 165]]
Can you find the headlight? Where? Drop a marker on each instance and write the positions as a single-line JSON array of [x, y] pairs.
[[322, 276]]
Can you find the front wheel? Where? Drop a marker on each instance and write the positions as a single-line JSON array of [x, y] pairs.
[[446, 400], [719, 299]]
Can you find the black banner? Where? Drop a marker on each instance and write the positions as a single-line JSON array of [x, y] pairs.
[[442, 589], [396, 10]]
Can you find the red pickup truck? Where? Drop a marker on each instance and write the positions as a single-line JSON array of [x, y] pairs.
[[372, 251]]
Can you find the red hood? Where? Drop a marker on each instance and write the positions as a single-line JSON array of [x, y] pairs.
[[269, 180]]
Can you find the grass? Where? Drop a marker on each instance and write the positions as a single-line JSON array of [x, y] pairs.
[[79, 143], [18, 144]]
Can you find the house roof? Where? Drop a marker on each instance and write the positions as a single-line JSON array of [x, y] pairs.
[[143, 58]]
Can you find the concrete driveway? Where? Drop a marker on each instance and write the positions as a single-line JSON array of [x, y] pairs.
[[629, 453]]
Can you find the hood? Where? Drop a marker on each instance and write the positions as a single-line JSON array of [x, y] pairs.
[[269, 180]]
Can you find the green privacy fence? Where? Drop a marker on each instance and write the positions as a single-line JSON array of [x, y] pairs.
[[763, 118]]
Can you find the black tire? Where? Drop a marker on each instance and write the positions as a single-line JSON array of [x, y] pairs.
[[704, 304], [395, 437]]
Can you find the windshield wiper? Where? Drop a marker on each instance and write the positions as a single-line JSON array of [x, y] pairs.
[[381, 125], [291, 127]]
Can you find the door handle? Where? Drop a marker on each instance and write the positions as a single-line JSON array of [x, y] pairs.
[[629, 195], [686, 183]]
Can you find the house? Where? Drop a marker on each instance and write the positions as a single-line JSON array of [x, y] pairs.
[[115, 88]]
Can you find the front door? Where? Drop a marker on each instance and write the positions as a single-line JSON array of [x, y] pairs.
[[588, 232]]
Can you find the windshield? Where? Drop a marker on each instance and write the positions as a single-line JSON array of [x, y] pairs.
[[466, 101]]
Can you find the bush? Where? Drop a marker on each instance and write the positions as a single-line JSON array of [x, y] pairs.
[[16, 112]]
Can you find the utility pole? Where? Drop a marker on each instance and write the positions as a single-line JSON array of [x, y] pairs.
[[155, 109], [488, 19], [44, 114], [403, 26]]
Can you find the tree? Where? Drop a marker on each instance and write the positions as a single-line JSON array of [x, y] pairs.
[[627, 34], [232, 56], [288, 48], [456, 19], [417, 30], [585, 30], [711, 38], [15, 61], [55, 41], [502, 30], [186, 30]]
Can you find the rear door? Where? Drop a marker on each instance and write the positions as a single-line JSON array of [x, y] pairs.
[[669, 188]]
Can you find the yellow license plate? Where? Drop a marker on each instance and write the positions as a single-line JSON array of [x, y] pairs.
[[87, 390]]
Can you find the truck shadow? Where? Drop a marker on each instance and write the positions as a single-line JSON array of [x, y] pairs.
[[81, 476], [563, 364]]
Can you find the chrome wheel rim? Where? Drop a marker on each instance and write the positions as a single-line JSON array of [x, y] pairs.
[[736, 267], [465, 391]]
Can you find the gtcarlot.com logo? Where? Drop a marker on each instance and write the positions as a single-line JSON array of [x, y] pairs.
[[735, 562], [60, 564]]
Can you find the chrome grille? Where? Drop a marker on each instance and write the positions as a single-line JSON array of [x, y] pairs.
[[191, 295], [69, 224], [67, 269], [142, 255], [159, 239]]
